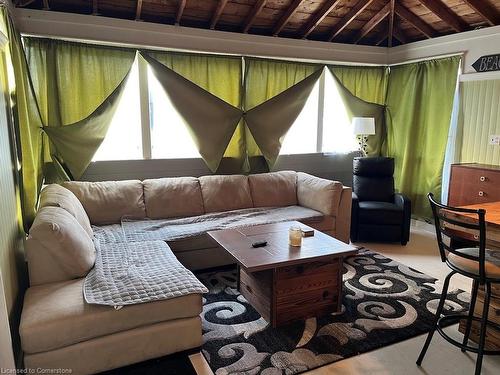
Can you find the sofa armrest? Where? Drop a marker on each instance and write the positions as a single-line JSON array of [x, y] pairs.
[[318, 193], [343, 218], [405, 204], [354, 217]]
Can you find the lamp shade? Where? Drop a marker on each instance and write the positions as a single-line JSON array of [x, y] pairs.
[[363, 125]]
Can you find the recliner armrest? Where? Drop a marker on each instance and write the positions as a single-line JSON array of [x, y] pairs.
[[405, 203], [402, 201]]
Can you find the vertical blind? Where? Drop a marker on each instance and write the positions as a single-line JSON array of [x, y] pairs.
[[479, 118]]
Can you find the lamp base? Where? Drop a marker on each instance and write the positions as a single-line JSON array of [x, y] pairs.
[[362, 140]]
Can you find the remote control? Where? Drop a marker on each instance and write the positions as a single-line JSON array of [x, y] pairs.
[[259, 244]]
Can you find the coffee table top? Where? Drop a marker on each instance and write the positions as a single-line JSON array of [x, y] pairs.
[[277, 253]]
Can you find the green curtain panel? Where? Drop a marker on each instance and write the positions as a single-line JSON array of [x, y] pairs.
[[364, 87], [366, 83], [419, 106], [76, 111], [270, 121], [27, 120], [479, 118], [77, 143], [265, 79], [211, 121], [220, 76], [71, 80]]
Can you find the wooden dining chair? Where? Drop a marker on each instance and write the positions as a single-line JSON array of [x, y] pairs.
[[459, 225]]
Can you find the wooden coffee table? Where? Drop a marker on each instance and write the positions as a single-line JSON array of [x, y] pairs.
[[285, 283]]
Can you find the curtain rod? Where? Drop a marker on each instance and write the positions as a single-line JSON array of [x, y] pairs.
[[160, 49], [178, 50], [428, 58]]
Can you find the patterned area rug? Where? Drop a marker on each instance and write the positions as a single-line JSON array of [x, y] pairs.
[[384, 302]]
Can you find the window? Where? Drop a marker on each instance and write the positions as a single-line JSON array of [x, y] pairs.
[[170, 138], [334, 123], [323, 113], [123, 140], [303, 134], [337, 129]]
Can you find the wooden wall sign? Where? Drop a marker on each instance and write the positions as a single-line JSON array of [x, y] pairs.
[[489, 63]]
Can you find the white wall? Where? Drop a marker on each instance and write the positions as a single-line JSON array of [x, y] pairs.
[[6, 353], [331, 166], [473, 44]]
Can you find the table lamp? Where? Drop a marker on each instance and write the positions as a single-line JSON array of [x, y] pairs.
[[363, 127]]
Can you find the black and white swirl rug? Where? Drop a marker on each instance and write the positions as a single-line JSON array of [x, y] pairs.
[[384, 302]]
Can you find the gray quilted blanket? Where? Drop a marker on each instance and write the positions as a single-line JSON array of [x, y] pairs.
[[131, 273], [175, 229], [135, 265]]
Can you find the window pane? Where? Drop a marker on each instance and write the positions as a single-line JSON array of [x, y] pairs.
[[170, 138], [302, 136], [123, 140], [337, 129]]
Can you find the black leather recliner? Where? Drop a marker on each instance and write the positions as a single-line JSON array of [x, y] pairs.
[[378, 213]]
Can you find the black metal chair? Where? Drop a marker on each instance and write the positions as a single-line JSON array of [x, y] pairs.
[[479, 263]]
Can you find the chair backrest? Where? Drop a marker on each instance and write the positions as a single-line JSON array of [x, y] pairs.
[[373, 178], [461, 225]]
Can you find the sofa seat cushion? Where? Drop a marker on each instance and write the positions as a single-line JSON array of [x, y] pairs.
[[225, 193], [173, 197], [276, 189], [108, 202], [56, 315], [55, 195], [199, 242], [380, 213], [321, 223]]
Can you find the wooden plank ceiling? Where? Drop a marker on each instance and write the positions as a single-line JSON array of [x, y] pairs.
[[369, 22]]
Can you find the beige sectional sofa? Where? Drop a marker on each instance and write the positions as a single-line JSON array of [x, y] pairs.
[[59, 329]]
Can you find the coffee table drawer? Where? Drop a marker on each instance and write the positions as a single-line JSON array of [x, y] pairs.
[[298, 279], [307, 304]]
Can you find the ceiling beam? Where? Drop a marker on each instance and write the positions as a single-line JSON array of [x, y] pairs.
[[348, 18], [390, 32], [138, 10], [442, 11], [398, 34], [218, 11], [180, 10], [286, 16], [485, 10], [25, 3], [254, 12], [374, 21], [415, 21], [382, 36], [318, 17]]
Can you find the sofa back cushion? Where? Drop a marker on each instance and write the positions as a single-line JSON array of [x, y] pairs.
[[55, 195], [225, 193], [276, 189], [173, 197], [109, 201], [57, 247], [318, 193]]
